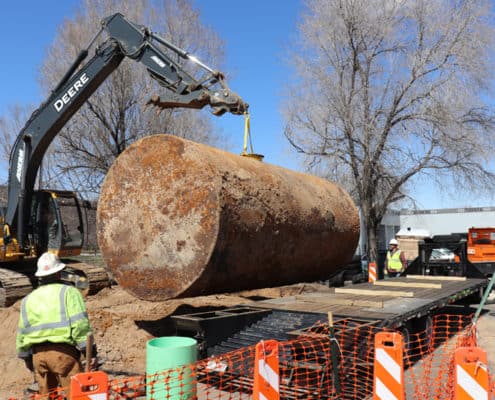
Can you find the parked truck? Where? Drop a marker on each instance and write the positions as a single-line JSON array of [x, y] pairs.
[[481, 249], [470, 254]]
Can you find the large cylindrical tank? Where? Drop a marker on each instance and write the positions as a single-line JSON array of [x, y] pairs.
[[180, 219]]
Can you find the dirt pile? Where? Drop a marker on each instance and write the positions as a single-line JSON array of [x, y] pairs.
[[122, 326]]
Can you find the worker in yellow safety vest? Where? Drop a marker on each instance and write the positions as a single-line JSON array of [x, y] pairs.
[[53, 328], [396, 262]]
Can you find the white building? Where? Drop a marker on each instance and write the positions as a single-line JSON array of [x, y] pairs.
[[448, 220]]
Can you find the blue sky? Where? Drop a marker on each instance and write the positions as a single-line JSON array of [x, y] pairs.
[[255, 32]]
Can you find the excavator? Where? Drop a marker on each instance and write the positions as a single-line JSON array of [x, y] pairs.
[[35, 221]]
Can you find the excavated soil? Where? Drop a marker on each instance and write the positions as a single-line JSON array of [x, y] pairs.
[[122, 326]]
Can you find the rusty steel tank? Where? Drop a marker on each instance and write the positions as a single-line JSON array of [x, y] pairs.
[[180, 219]]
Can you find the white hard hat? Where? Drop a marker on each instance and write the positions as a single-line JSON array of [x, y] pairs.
[[49, 264], [393, 241]]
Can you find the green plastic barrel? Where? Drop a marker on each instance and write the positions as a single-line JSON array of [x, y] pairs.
[[164, 358]]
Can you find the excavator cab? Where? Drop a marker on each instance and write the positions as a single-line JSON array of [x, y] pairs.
[[56, 223]]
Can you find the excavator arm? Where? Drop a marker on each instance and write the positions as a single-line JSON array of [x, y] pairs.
[[126, 39]]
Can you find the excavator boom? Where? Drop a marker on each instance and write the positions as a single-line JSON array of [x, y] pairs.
[[25, 226], [126, 39]]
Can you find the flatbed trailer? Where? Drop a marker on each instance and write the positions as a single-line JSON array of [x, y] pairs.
[[402, 303], [405, 304], [390, 302]]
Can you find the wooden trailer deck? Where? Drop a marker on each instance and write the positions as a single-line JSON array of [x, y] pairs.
[[396, 303], [391, 301]]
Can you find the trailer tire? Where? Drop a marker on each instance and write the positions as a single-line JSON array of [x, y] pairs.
[[406, 342], [417, 338], [491, 297], [358, 278], [476, 297], [337, 280], [424, 331]]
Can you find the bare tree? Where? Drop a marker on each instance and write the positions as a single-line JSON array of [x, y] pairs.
[[9, 127], [116, 114], [389, 91]]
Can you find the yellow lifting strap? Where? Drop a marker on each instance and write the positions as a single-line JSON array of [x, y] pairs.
[[247, 134], [247, 137]]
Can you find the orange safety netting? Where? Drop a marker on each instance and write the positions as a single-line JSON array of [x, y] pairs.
[[310, 367]]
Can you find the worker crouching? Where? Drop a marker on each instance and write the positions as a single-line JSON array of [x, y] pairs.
[[53, 328]]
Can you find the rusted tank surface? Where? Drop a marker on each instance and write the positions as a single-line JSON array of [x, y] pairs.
[[181, 219]]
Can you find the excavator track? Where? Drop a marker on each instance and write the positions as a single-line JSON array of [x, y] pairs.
[[97, 276], [13, 286]]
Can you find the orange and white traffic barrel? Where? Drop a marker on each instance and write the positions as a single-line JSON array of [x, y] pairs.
[[266, 371], [89, 386], [388, 373], [471, 374], [372, 275]]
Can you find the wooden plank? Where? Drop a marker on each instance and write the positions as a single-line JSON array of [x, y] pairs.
[[437, 277], [327, 300], [369, 292], [423, 299], [425, 285], [368, 303], [344, 301]]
